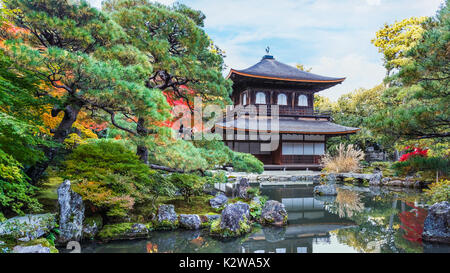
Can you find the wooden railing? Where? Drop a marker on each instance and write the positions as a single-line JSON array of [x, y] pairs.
[[287, 112]]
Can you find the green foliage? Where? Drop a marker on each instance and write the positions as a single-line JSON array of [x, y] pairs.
[[181, 52], [243, 162], [188, 184], [438, 191], [417, 103], [16, 140], [112, 177], [424, 164]]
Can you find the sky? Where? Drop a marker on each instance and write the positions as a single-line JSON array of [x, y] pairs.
[[330, 36]]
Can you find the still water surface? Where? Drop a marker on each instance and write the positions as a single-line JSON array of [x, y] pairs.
[[356, 220]]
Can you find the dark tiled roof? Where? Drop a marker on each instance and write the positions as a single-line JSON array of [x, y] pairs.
[[289, 126], [270, 68]]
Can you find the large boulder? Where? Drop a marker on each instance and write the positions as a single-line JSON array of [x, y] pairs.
[[233, 222], [41, 245], [219, 201], [436, 225], [31, 249], [329, 189], [71, 214], [274, 213], [167, 217], [28, 227], [190, 221]]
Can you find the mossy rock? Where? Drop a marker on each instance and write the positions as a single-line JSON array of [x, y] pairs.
[[43, 242], [224, 233], [9, 246]]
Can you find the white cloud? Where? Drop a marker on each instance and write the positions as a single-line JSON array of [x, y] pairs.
[[373, 2], [358, 70]]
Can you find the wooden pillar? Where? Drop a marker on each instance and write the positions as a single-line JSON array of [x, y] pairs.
[[277, 154]]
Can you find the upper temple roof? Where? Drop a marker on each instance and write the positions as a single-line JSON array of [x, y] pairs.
[[269, 68]]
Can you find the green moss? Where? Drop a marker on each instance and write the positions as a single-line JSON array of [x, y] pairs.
[[114, 231], [198, 205], [96, 219], [47, 194], [166, 225]]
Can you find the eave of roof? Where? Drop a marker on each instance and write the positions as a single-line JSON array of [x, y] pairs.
[[307, 127]]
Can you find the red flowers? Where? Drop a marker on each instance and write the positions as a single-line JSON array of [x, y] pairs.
[[413, 152]]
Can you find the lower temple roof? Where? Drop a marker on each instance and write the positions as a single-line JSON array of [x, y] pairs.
[[288, 126]]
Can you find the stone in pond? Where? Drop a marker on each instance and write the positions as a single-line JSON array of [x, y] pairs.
[[167, 216], [233, 222], [219, 201], [190, 221], [436, 225], [274, 213], [325, 190], [71, 214]]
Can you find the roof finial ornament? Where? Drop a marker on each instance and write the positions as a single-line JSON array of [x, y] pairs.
[[267, 50]]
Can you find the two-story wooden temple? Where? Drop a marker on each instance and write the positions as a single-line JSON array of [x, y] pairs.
[[302, 131]]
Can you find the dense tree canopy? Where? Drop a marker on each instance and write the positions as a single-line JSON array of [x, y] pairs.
[[417, 102]]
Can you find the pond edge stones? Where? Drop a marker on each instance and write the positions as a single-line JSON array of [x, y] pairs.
[[234, 221], [190, 221], [71, 214], [436, 225]]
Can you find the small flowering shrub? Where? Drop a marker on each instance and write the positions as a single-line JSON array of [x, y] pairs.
[[417, 159], [412, 152]]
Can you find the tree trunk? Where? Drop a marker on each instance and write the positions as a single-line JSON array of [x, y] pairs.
[[70, 116], [142, 150]]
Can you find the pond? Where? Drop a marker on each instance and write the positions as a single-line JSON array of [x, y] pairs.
[[358, 219]]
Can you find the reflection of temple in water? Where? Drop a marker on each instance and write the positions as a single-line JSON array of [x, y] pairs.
[[309, 223]]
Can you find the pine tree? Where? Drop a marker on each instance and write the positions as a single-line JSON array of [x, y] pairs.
[[185, 62], [81, 51]]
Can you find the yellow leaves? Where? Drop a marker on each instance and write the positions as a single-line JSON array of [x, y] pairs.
[[73, 140], [396, 39]]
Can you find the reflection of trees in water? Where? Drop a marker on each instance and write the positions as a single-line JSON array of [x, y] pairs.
[[347, 203], [381, 226]]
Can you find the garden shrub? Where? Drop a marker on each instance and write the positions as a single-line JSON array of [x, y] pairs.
[[243, 162], [112, 178], [188, 184], [16, 194], [438, 191], [425, 164]]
